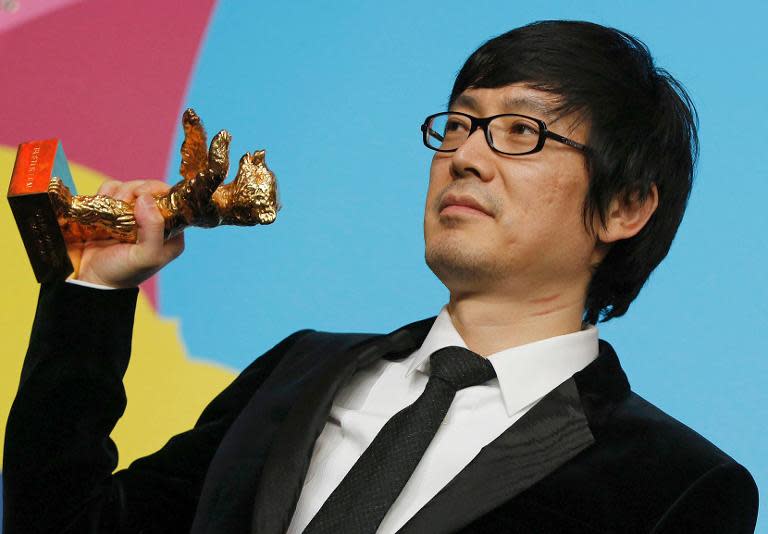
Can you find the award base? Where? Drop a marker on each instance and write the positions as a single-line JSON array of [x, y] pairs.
[[36, 163]]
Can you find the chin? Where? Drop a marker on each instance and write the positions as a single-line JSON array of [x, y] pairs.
[[458, 260]]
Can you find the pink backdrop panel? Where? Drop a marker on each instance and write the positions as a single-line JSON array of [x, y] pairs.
[[107, 78]]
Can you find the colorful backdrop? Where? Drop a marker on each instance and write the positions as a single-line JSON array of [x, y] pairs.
[[335, 92]]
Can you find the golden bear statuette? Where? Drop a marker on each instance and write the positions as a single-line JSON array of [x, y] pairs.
[[200, 199]]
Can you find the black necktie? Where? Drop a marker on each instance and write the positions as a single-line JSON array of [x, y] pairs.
[[361, 500]]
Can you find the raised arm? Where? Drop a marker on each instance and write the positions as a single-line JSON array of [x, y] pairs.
[[59, 459]]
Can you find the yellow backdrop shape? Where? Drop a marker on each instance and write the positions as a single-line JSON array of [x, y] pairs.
[[166, 390]]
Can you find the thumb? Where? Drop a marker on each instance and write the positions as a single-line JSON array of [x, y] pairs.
[[150, 225]]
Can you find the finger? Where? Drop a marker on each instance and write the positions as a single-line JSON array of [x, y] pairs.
[[126, 191], [171, 249], [174, 247], [108, 188], [151, 187], [130, 191], [150, 231]]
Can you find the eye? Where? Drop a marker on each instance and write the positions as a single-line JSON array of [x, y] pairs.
[[456, 124], [523, 127]]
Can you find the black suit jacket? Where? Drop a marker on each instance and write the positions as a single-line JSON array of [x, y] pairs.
[[591, 457]]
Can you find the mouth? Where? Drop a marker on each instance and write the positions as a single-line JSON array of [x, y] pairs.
[[453, 204]]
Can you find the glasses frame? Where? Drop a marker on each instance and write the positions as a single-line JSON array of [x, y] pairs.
[[475, 123]]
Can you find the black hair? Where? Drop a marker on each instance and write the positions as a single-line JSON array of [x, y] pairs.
[[642, 131]]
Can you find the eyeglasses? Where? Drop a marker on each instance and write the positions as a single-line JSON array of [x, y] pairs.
[[509, 134]]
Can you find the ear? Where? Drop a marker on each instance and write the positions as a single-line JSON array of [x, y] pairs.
[[258, 156], [626, 217]]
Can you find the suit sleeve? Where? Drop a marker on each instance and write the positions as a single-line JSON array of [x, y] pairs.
[[59, 458], [723, 500]]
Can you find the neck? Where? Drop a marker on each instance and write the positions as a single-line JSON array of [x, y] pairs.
[[489, 323]]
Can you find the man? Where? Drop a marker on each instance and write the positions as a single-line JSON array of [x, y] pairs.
[[561, 173]]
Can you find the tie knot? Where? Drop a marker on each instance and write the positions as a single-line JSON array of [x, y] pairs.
[[460, 367]]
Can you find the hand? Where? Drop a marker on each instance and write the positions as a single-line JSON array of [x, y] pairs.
[[115, 264]]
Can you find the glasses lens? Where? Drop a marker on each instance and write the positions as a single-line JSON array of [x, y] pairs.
[[513, 134], [447, 131]]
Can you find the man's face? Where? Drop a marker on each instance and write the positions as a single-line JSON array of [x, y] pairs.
[[528, 235]]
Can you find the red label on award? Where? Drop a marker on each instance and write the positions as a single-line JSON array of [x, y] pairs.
[[32, 170], [36, 163]]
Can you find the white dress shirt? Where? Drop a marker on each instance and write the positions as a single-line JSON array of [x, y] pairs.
[[477, 416], [86, 284]]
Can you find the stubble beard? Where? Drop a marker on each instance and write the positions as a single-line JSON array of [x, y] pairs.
[[458, 260], [458, 264]]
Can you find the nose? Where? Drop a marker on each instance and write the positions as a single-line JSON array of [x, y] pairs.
[[473, 158]]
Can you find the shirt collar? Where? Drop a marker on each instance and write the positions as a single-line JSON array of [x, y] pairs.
[[442, 334], [524, 373]]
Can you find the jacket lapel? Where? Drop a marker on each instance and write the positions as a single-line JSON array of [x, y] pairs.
[[286, 464], [226, 499], [550, 434]]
